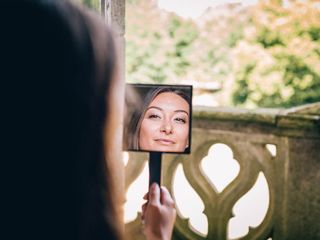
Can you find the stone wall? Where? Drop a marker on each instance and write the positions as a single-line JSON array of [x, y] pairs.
[[292, 171]]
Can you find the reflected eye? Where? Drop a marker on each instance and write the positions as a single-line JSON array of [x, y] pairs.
[[180, 120], [153, 116]]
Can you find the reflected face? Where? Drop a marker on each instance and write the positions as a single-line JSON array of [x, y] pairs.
[[165, 125]]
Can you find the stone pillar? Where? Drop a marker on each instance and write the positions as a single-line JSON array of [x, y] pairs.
[[115, 14], [114, 11], [303, 177]]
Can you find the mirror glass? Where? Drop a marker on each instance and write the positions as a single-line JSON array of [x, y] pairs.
[[158, 118]]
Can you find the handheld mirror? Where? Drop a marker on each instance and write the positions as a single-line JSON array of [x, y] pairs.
[[158, 120]]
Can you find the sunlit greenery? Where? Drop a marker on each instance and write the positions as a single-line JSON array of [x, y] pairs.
[[157, 50], [266, 55], [278, 61], [93, 4]]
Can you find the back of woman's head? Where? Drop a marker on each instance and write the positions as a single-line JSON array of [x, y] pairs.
[[59, 64]]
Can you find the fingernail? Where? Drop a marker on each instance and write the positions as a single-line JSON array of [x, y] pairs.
[[154, 186]]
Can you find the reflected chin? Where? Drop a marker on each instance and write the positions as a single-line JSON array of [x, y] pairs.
[[162, 149]]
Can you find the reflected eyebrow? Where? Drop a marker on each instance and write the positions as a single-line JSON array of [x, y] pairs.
[[160, 109], [182, 111]]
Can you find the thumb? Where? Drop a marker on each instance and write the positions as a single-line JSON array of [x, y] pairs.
[[154, 194]]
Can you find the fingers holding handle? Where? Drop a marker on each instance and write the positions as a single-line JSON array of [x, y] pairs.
[[158, 213]]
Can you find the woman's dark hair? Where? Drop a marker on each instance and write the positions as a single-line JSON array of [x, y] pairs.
[[59, 65], [139, 113]]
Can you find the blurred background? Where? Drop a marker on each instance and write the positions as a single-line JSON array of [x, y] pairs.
[[245, 54], [236, 53]]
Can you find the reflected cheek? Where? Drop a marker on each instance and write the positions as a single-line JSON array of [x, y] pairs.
[[147, 131], [182, 134]]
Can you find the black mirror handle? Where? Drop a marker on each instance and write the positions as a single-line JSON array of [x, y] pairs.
[[155, 168]]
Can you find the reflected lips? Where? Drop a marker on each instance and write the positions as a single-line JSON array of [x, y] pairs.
[[165, 141]]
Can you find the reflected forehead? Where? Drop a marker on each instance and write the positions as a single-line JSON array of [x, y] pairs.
[[170, 101]]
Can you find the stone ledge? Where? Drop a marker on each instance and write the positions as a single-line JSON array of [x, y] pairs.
[[306, 117]]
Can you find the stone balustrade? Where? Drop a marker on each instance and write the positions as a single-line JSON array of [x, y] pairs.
[[280, 146]]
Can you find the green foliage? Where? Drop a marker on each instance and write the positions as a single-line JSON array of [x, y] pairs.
[[157, 51], [314, 32], [183, 35], [174, 25], [234, 37], [267, 55], [93, 4], [285, 51], [132, 1], [242, 89], [302, 78], [268, 38]]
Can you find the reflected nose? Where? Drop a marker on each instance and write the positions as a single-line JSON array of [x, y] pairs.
[[166, 127]]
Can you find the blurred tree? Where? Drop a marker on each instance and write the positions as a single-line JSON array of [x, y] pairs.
[[162, 47], [93, 4], [277, 63], [266, 55], [157, 44]]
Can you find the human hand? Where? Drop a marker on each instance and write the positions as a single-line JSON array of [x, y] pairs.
[[158, 214]]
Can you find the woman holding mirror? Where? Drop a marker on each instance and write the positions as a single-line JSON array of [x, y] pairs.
[[61, 155]]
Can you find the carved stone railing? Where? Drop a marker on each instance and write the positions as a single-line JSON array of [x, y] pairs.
[[291, 171]]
